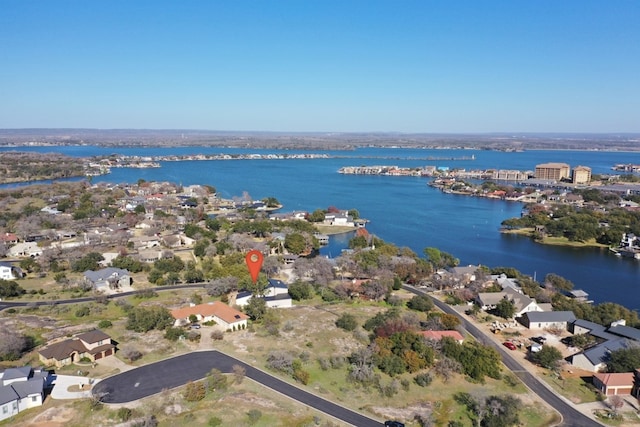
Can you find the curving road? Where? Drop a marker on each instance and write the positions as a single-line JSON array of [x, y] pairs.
[[571, 417], [167, 374]]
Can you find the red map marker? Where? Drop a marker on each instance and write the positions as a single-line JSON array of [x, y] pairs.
[[254, 263]]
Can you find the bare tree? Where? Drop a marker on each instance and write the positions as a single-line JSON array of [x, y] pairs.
[[616, 402], [12, 344], [239, 373]]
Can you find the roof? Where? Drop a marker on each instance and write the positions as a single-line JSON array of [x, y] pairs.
[[61, 350], [216, 308], [94, 336], [27, 388], [595, 329], [7, 394], [16, 373], [277, 284], [551, 316], [616, 379], [105, 273], [625, 331], [438, 335], [599, 353], [490, 298]]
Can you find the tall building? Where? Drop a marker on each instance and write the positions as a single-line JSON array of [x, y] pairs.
[[552, 171], [581, 175]]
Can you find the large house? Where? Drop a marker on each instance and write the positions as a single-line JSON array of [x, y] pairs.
[[107, 278], [522, 303], [548, 320], [218, 312], [615, 337], [93, 345], [20, 389], [9, 272], [276, 295]]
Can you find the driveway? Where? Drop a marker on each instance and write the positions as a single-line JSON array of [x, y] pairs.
[[62, 383], [175, 372]]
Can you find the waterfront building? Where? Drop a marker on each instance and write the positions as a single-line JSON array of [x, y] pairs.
[[552, 171], [509, 175], [581, 175]]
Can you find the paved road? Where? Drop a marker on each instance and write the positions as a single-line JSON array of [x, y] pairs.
[[571, 416], [167, 374], [10, 304]]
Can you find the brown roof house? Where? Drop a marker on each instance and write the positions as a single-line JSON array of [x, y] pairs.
[[93, 345], [219, 312], [614, 383]]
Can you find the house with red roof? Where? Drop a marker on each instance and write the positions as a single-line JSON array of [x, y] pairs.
[[611, 384], [218, 312]]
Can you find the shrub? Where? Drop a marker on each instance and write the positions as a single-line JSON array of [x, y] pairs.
[[214, 422], [423, 380], [130, 353], [124, 414], [254, 415], [83, 311], [194, 392], [173, 334], [104, 324], [347, 322], [217, 335]]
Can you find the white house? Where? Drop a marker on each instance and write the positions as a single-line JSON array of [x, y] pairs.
[[276, 295], [25, 249], [108, 278], [9, 271], [20, 389]]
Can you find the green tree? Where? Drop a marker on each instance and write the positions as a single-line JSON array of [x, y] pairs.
[[420, 303], [505, 308], [144, 319], [300, 290], [347, 322], [548, 357], [256, 308], [87, 262], [10, 288], [317, 216], [440, 259], [295, 243], [624, 359]]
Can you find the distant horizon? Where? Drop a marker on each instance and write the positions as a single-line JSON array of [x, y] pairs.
[[322, 132]]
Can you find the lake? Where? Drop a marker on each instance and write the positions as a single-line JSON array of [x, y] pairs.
[[404, 210]]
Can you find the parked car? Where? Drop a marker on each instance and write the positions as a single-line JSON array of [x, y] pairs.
[[539, 340], [195, 326], [393, 424], [509, 345]]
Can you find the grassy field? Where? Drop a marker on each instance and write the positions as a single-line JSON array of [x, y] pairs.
[[309, 333], [557, 241]]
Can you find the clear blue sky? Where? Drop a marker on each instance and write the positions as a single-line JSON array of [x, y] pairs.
[[302, 65]]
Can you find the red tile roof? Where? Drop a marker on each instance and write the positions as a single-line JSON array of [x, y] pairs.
[[216, 308], [616, 379]]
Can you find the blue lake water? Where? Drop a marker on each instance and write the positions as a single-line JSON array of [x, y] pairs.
[[404, 210]]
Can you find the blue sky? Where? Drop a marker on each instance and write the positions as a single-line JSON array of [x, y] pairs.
[[334, 66]]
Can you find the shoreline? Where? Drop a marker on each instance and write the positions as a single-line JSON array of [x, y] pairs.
[[554, 241]]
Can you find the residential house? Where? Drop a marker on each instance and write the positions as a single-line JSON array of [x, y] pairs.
[[339, 218], [107, 278], [595, 358], [93, 345], [523, 304], [464, 275], [218, 312], [25, 249], [438, 335], [548, 319], [8, 239], [276, 295], [611, 384], [506, 282], [21, 388], [10, 272]]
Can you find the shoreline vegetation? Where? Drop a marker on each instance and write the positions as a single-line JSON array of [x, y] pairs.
[[552, 241]]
